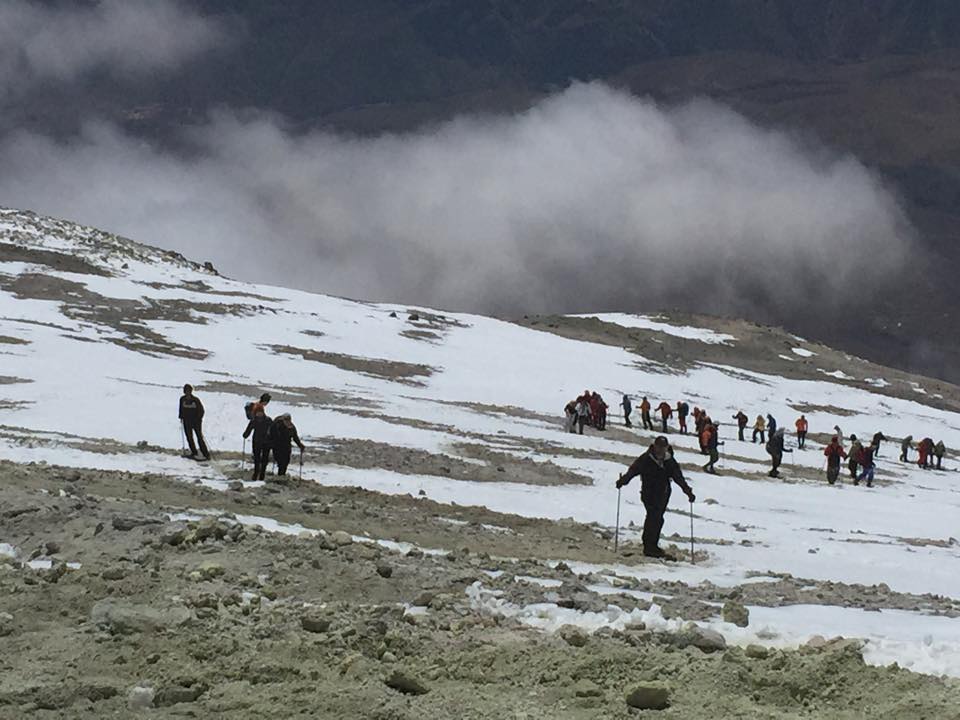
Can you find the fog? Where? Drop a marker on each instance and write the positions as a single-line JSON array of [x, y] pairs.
[[592, 199], [127, 39]]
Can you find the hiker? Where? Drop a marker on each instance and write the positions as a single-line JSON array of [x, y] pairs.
[[836, 429], [925, 449], [905, 448], [583, 413], [853, 456], [261, 405], [594, 401], [656, 468], [600, 414], [570, 413], [771, 425], [682, 410], [939, 450], [776, 449], [259, 425], [702, 421], [878, 437], [865, 458], [627, 409], [665, 412], [191, 416], [759, 427], [697, 415], [801, 431], [645, 414], [282, 432], [742, 421], [835, 453], [710, 440]]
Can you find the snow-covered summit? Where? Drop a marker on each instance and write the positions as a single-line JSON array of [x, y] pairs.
[[98, 334]]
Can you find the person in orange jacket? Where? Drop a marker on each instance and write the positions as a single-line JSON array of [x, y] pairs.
[[801, 431], [665, 412], [645, 414]]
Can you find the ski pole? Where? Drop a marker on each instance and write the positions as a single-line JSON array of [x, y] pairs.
[[693, 560], [616, 532]]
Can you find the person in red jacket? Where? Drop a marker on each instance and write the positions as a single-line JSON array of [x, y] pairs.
[[594, 402], [801, 431], [665, 412], [925, 449], [835, 454]]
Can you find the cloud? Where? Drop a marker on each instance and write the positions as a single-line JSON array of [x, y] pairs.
[[592, 199], [41, 41]]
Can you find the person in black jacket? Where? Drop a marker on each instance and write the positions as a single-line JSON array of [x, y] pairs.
[[191, 415], [656, 468], [259, 425], [776, 449], [282, 432]]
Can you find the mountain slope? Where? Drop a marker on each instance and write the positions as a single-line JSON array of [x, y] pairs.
[[98, 333]]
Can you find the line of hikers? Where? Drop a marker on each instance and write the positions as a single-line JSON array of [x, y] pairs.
[[590, 409], [269, 435]]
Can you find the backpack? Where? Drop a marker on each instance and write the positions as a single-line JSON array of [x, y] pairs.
[[684, 409], [248, 410]]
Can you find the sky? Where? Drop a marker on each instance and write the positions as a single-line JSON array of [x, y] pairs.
[[589, 200]]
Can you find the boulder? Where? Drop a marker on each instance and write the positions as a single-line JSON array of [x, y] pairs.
[[757, 652], [703, 638], [649, 696], [311, 622], [736, 613], [586, 688], [126, 523], [209, 570], [140, 697], [384, 570], [341, 538], [405, 683], [574, 636], [176, 694], [121, 617]]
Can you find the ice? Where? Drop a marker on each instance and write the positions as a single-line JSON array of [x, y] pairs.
[[803, 352]]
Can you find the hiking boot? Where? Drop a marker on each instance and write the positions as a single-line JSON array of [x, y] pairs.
[[654, 552]]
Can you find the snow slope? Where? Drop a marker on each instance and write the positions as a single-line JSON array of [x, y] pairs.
[[98, 334]]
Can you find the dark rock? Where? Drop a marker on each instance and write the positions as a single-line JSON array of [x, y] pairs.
[[736, 613], [407, 684], [649, 696], [176, 694], [126, 523]]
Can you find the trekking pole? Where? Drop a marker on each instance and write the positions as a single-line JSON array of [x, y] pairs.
[[693, 560], [301, 463], [243, 456], [616, 532], [183, 439]]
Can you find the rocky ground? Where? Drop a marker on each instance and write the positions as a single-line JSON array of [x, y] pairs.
[[140, 604]]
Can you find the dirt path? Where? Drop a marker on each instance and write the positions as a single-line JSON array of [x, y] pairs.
[[211, 618]]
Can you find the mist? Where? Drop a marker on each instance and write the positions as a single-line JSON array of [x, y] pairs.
[[591, 200], [126, 39]]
